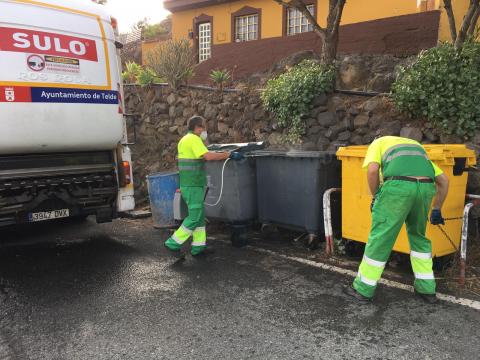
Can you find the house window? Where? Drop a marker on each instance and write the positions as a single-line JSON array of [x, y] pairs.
[[246, 28], [204, 41], [297, 22]]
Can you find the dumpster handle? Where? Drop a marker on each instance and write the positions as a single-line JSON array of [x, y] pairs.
[[463, 245], [327, 220]]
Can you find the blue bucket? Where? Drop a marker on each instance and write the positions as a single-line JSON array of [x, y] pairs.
[[161, 190]]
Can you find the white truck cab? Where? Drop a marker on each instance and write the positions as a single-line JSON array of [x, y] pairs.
[[63, 147]]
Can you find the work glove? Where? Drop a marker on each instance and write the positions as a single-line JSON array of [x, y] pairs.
[[236, 155], [372, 204], [436, 217]]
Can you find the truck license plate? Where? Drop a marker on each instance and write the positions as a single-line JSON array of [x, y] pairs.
[[48, 215]]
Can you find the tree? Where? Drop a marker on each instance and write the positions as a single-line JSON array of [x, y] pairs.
[[140, 24], [172, 61], [330, 34], [150, 32], [468, 25]]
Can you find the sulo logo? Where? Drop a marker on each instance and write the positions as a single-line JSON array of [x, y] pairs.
[[39, 42], [46, 43]]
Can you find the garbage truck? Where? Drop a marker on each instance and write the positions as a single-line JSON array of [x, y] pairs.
[[63, 143]]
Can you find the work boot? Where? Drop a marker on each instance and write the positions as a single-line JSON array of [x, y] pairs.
[[428, 298], [176, 253], [350, 291], [204, 253]]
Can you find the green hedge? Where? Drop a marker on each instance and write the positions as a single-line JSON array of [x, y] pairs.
[[289, 96], [443, 86]]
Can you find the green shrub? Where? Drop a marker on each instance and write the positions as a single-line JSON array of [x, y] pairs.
[[147, 77], [289, 96], [220, 78], [443, 86], [132, 70], [151, 32], [173, 61]]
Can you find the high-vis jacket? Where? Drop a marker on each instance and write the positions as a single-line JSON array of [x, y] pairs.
[[191, 164], [399, 156]]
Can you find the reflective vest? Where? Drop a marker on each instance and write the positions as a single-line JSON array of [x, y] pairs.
[[407, 160], [191, 164]]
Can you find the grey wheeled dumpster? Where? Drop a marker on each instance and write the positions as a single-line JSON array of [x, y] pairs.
[[237, 202], [290, 187], [232, 190]]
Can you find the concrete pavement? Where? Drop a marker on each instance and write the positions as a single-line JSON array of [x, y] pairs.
[[87, 291]]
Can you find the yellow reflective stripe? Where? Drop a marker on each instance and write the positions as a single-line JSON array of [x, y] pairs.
[[421, 266], [429, 276], [366, 280], [199, 236], [420, 255], [369, 261], [177, 239], [181, 235], [187, 230], [371, 272]]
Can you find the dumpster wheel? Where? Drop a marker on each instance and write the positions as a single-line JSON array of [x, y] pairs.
[[354, 249]]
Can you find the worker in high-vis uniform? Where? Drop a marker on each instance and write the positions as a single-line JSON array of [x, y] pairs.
[[192, 154], [410, 183]]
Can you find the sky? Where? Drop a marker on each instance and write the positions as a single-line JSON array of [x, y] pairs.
[[128, 12]]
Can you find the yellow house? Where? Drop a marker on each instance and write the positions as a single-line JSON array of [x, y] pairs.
[[227, 31], [149, 45]]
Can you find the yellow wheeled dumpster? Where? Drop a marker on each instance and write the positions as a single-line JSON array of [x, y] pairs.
[[356, 198]]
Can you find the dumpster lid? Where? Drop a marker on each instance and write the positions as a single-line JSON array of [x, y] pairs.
[[448, 152], [441, 153], [241, 147], [294, 153], [352, 151]]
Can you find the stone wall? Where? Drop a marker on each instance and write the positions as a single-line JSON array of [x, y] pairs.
[[163, 115], [239, 116]]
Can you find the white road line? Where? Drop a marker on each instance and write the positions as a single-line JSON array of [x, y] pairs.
[[394, 284]]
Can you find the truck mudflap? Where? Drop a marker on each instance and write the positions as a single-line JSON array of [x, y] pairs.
[[30, 193]]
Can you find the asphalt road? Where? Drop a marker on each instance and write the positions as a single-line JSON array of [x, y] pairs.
[[87, 291]]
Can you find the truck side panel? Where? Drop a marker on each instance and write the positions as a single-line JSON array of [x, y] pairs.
[[59, 80]]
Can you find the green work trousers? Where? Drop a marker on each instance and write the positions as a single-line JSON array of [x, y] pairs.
[[194, 223], [398, 202]]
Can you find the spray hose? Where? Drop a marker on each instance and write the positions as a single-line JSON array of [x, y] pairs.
[[221, 186]]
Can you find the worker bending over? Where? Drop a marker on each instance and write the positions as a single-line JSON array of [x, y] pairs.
[[410, 182], [192, 154]]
